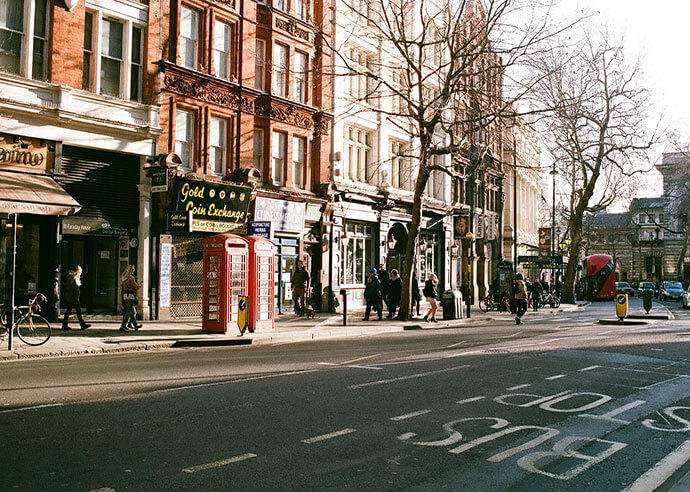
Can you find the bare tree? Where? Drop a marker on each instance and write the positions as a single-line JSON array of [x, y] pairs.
[[596, 125], [439, 79]]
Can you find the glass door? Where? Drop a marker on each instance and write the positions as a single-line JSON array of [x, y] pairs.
[[285, 266]]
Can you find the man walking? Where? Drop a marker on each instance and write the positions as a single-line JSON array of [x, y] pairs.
[[384, 278], [520, 296], [536, 294], [394, 293], [372, 295], [300, 282]]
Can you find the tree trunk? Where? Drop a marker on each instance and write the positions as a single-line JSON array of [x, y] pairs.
[[681, 257]]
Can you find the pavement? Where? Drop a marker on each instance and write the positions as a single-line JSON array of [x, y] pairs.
[[104, 336]]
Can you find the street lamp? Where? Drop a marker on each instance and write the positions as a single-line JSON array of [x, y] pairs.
[[553, 222]]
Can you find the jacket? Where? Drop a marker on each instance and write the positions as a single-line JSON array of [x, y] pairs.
[[522, 291], [395, 290], [372, 291], [415, 290], [384, 278], [71, 292], [430, 289], [300, 279]]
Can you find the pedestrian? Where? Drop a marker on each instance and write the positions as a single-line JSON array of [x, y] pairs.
[[384, 278], [431, 293], [558, 287], [372, 295], [520, 296], [394, 293], [416, 296], [71, 297], [300, 282], [528, 288], [537, 291], [130, 286], [544, 284]]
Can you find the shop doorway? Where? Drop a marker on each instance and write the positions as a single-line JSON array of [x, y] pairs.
[[287, 251], [98, 259], [396, 255]]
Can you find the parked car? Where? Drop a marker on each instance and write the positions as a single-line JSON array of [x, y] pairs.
[[646, 286], [685, 298], [624, 288], [671, 290]]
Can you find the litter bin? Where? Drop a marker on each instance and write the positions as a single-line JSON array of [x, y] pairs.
[[451, 302]]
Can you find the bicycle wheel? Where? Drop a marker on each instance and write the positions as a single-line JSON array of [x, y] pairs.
[[33, 330], [485, 305], [556, 302], [5, 315]]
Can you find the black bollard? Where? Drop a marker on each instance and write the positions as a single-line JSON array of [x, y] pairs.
[[343, 293]]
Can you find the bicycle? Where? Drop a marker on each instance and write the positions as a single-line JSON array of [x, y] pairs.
[[551, 299], [31, 328], [489, 303]]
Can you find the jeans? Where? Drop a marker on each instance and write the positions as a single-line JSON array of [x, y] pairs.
[[77, 308], [130, 314], [299, 298], [521, 305]]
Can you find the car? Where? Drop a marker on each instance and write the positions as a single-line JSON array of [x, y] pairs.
[[671, 290], [646, 286], [624, 288], [685, 298]]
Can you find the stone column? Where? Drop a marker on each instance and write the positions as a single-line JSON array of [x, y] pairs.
[[144, 250]]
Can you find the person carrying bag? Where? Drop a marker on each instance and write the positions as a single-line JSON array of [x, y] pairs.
[[130, 286]]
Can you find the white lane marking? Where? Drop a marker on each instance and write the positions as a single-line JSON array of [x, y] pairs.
[[31, 408], [406, 436], [254, 378], [357, 360], [460, 354], [216, 464], [657, 350], [456, 344], [519, 386], [104, 489], [404, 378], [330, 435], [414, 361], [604, 332], [469, 400], [505, 336], [613, 413], [410, 415], [662, 471], [328, 364], [371, 368], [584, 369], [557, 376]]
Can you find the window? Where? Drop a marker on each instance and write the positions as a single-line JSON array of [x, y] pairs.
[[357, 154], [641, 218], [111, 57], [217, 151], [189, 37], [278, 154], [88, 52], [300, 77], [357, 253], [135, 70], [260, 65], [435, 186], [184, 137], [299, 159], [361, 87], [222, 50], [280, 70], [259, 150], [279, 4], [20, 22], [301, 9], [401, 166]]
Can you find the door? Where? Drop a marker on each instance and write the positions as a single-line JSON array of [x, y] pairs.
[[73, 253], [285, 266]]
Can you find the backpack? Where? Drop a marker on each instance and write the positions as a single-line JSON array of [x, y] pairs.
[[516, 287]]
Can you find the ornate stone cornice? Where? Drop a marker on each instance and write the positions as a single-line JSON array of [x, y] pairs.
[[227, 3], [291, 27]]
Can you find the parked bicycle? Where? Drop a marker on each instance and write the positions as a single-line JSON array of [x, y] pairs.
[[490, 303], [550, 299], [30, 327]]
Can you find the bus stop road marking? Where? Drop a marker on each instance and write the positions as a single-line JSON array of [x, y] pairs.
[[410, 415], [330, 435], [217, 464], [519, 386], [662, 471], [404, 378]]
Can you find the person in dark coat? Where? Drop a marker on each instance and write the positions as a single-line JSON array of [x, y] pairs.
[[372, 295], [71, 296], [384, 278], [431, 294], [537, 291], [416, 296], [394, 293], [300, 284]]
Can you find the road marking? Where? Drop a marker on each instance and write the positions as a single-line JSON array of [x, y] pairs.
[[371, 368], [328, 364], [330, 435], [519, 386], [404, 378], [414, 361], [357, 360], [662, 471], [470, 400], [585, 369], [657, 350], [406, 436], [254, 378], [613, 413], [557, 376], [31, 408], [505, 336], [410, 415], [216, 464], [457, 344], [105, 489]]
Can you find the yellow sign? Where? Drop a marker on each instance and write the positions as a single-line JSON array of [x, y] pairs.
[[622, 305], [203, 225], [242, 316]]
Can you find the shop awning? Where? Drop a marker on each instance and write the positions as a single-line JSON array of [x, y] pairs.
[[24, 193]]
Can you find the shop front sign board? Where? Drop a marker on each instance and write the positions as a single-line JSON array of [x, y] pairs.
[[85, 226], [261, 229], [217, 227], [284, 215], [24, 154], [213, 202]]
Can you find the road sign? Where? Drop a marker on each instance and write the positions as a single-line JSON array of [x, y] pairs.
[[622, 305], [159, 179], [242, 318]]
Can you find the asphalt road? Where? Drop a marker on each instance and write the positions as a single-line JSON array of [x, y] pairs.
[[559, 403]]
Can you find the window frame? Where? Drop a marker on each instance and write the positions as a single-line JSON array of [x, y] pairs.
[[195, 41], [301, 81], [361, 147], [278, 178], [260, 80], [229, 55], [194, 118], [299, 167], [258, 158], [224, 148], [280, 72], [27, 39]]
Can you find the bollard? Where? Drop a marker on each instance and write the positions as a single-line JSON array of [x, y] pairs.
[[647, 300], [622, 306], [343, 293]]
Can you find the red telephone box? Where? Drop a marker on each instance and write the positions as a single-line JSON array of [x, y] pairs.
[[262, 253], [225, 278]]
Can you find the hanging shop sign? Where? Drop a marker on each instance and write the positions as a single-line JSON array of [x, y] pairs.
[[24, 154], [544, 242], [179, 221], [89, 226], [159, 179], [284, 216], [460, 225], [261, 229], [479, 226], [213, 202]]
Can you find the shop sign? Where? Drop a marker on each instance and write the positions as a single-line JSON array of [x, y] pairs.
[[165, 271], [479, 226], [283, 215], [261, 229], [203, 225], [544, 242], [80, 225], [26, 154], [460, 226], [491, 227], [179, 221], [213, 202], [159, 179]]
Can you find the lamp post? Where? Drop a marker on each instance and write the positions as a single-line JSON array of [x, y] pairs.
[[553, 222], [515, 247]]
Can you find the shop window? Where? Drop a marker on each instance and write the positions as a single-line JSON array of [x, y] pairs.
[[260, 65], [20, 22], [217, 152], [189, 38], [357, 163], [300, 77], [223, 37], [299, 159], [278, 158], [280, 70], [357, 249], [258, 155], [426, 260], [184, 137]]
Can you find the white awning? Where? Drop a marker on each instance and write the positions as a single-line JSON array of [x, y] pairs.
[[38, 194]]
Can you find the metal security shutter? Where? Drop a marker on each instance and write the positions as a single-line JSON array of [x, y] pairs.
[[104, 183]]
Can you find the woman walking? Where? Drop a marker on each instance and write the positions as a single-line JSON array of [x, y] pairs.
[[129, 295], [431, 293], [71, 298]]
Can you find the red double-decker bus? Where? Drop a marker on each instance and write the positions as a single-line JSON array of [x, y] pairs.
[[598, 282]]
